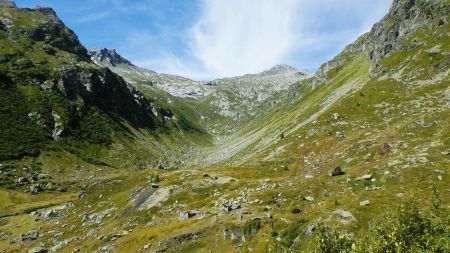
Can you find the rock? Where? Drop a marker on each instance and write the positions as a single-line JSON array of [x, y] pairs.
[[336, 171], [29, 236], [344, 216], [310, 229], [364, 203], [205, 175], [154, 186], [82, 194], [186, 215], [230, 207], [22, 180], [49, 186], [51, 214], [100, 196], [364, 178], [309, 198], [38, 249], [35, 188], [43, 176], [340, 135]]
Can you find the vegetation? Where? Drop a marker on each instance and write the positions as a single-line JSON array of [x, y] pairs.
[[404, 230]]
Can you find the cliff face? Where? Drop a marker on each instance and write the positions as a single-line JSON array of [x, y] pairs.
[[404, 18]]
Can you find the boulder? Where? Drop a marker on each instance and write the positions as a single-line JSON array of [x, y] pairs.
[[364, 203], [310, 229], [186, 215], [35, 188], [336, 171], [29, 236], [82, 194], [344, 216], [364, 177], [309, 198], [38, 249], [43, 176]]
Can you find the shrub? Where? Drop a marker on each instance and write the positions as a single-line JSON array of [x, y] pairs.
[[404, 230]]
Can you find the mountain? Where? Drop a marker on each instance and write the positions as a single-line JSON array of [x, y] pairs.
[[223, 104], [55, 97], [353, 158]]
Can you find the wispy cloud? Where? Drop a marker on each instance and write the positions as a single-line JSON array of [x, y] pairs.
[[235, 37]]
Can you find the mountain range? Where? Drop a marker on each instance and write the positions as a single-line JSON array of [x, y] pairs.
[[100, 155]]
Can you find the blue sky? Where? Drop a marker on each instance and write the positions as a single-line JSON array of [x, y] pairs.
[[206, 39]]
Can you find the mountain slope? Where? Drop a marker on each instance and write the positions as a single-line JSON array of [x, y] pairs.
[[55, 99], [224, 105]]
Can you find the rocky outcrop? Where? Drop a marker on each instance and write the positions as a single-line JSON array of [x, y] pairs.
[[7, 3], [404, 18], [108, 56]]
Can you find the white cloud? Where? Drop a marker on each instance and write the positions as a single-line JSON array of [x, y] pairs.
[[234, 37]]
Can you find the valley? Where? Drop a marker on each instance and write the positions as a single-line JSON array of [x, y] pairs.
[[99, 155]]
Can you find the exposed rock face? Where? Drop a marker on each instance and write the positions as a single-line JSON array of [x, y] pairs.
[[404, 17], [110, 56], [7, 3]]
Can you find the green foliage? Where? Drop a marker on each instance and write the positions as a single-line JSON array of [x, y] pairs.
[[19, 136], [405, 230], [95, 128], [291, 233], [332, 241], [251, 227]]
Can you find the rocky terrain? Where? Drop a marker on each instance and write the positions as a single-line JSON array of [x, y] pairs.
[[266, 162]]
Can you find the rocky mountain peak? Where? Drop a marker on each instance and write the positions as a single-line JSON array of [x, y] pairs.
[[108, 55], [279, 69], [7, 3]]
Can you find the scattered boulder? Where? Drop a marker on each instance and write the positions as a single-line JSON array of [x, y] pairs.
[[366, 177], [49, 186], [364, 203], [336, 172], [186, 215], [29, 236], [82, 194], [22, 180], [38, 249], [340, 135], [228, 207], [43, 176], [309, 198], [35, 188], [310, 229], [344, 216]]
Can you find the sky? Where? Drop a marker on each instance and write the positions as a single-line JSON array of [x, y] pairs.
[[207, 39]]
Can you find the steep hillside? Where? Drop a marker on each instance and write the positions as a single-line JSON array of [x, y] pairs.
[[347, 148], [58, 107]]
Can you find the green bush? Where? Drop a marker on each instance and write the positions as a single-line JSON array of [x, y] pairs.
[[251, 227], [293, 231], [404, 230]]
